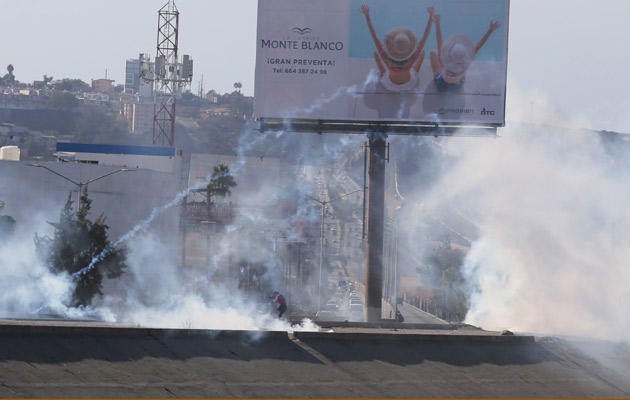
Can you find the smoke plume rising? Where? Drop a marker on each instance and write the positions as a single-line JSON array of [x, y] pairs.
[[550, 203]]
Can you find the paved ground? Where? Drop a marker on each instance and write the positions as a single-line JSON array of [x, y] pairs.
[[415, 315], [88, 360]]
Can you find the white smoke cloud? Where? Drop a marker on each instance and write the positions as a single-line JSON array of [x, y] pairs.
[[548, 199], [28, 288], [153, 293], [551, 206]]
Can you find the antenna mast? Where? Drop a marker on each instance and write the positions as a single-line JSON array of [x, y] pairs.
[[169, 75]]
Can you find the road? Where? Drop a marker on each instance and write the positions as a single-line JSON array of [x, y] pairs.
[[414, 315]]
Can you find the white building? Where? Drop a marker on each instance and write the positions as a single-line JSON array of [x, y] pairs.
[[139, 116], [164, 159], [135, 71]]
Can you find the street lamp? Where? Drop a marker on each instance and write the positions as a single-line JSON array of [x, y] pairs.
[[80, 184], [321, 242]]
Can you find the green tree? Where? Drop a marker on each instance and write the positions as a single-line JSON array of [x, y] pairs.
[[10, 75], [43, 83], [76, 243], [8, 79], [7, 226], [96, 126], [189, 97], [446, 264], [63, 101], [242, 106], [221, 181], [72, 85]]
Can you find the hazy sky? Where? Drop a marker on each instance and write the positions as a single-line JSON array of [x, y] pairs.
[[567, 58]]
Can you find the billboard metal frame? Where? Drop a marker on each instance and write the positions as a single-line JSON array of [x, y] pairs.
[[387, 127]]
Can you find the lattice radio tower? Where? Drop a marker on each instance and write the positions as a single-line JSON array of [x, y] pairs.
[[170, 75]]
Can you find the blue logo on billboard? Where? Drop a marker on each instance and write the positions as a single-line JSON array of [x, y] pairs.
[[301, 31]]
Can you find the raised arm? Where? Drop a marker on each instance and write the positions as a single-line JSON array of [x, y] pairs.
[[427, 29], [494, 25], [438, 34], [365, 10]]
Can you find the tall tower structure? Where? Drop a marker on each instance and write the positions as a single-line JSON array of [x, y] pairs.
[[170, 76]]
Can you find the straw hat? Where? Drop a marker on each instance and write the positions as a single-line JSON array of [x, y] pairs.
[[400, 43], [457, 53]]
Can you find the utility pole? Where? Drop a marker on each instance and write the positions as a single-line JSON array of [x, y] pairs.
[[321, 242], [200, 92], [80, 185]]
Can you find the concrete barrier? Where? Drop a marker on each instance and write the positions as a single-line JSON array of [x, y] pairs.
[[44, 328], [55, 359], [359, 332], [387, 337]]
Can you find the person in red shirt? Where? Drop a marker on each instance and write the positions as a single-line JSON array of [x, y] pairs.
[[282, 303]]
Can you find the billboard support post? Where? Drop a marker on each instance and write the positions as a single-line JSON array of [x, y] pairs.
[[317, 71], [376, 214]]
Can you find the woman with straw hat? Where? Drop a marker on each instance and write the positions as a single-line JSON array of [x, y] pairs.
[[400, 57], [453, 56]]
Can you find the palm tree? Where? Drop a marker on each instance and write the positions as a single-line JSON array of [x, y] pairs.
[[221, 181]]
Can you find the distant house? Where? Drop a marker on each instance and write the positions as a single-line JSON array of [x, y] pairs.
[[95, 99], [212, 96], [103, 85], [219, 111]]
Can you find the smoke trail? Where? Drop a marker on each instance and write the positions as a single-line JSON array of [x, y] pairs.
[[323, 100], [138, 228], [160, 210], [192, 297]]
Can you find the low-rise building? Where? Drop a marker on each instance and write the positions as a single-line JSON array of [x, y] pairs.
[[103, 85], [164, 159], [139, 116]]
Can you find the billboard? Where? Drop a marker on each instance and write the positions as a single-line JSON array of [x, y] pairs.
[[432, 62]]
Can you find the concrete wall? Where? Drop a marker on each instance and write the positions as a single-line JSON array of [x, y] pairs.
[[257, 178], [82, 362], [156, 163], [35, 195]]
